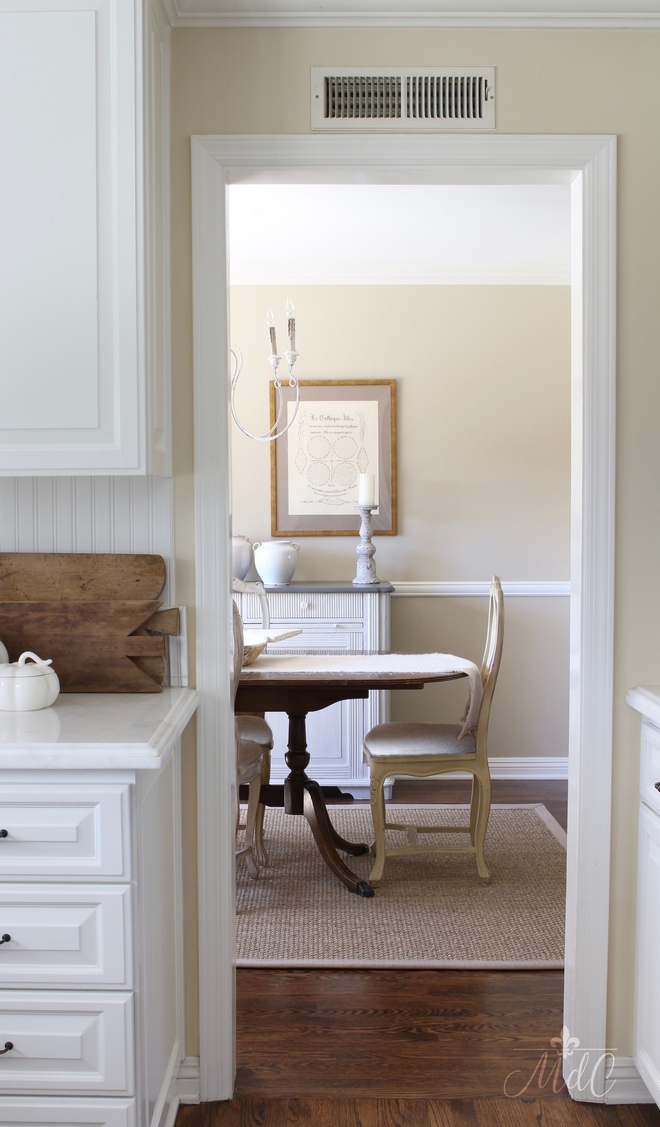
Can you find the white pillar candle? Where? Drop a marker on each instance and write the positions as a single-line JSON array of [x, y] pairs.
[[291, 324], [270, 321], [367, 489]]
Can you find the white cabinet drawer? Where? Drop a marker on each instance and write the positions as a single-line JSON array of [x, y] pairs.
[[75, 830], [650, 766], [58, 1111], [287, 605], [341, 636], [72, 1041], [65, 935]]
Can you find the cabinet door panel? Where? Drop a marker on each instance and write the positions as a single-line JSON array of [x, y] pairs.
[[66, 1041], [65, 935], [647, 993], [78, 831], [73, 372], [58, 1111]]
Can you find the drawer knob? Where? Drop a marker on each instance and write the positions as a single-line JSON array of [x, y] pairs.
[[304, 604], [4, 833], [657, 786], [8, 1047], [5, 938]]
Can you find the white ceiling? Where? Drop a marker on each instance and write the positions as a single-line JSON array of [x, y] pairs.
[[414, 13], [366, 234]]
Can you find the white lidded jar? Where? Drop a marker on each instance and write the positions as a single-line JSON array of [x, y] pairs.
[[241, 556], [25, 688], [275, 561]]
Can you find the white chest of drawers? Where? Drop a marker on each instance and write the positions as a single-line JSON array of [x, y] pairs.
[[336, 617], [91, 975]]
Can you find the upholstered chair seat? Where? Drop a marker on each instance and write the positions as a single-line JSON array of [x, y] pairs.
[[398, 739]]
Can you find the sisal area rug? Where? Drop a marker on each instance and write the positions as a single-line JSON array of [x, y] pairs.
[[430, 911]]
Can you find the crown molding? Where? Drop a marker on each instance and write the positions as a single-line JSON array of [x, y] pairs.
[[428, 14]]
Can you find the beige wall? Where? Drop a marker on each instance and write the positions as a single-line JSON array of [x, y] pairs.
[[483, 430], [552, 81], [483, 418]]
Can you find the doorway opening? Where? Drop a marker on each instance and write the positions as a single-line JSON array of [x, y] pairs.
[[586, 165]]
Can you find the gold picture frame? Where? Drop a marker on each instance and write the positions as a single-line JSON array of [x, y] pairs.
[[306, 471]]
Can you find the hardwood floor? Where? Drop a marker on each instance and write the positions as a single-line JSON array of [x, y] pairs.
[[414, 1113], [553, 793], [323, 1048]]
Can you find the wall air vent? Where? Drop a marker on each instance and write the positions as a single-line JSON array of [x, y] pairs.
[[398, 98]]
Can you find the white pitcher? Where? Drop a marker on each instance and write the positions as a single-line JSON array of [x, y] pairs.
[[275, 561]]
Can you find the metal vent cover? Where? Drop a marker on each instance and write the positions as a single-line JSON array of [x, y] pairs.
[[398, 98]]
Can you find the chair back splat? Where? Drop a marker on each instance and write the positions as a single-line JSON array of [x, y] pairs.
[[490, 663]]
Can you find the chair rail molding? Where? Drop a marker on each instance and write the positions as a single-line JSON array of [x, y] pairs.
[[588, 163], [413, 13], [412, 589]]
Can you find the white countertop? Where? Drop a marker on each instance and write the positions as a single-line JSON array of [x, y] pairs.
[[646, 699], [96, 730]]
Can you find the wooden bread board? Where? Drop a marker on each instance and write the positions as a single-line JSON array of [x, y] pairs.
[[96, 616]]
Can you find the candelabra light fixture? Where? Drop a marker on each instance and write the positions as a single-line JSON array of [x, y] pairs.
[[274, 360]]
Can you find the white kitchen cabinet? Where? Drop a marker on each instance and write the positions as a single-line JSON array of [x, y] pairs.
[[84, 219], [646, 1049], [333, 617], [91, 972]]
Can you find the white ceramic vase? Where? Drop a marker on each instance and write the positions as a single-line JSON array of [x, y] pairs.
[[275, 561], [241, 556]]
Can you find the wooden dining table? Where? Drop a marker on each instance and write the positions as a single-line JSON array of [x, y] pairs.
[[297, 693]]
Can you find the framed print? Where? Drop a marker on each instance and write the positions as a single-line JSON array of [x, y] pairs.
[[343, 428]]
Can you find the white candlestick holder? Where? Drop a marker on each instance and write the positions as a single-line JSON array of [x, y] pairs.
[[366, 550]]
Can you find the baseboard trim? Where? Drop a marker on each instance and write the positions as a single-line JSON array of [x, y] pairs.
[[187, 1081], [521, 767], [407, 590], [503, 767], [628, 1086], [162, 1114]]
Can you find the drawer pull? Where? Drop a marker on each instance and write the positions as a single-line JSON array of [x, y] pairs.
[[8, 1047], [4, 833], [657, 786], [304, 604], [5, 938]]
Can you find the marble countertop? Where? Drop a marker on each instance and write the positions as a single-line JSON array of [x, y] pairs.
[[646, 699], [96, 730]]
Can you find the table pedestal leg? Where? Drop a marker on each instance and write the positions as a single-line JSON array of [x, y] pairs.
[[303, 796], [325, 834]]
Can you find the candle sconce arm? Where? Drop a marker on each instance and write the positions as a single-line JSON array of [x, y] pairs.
[[274, 360]]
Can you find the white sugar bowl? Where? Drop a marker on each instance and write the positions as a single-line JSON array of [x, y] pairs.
[[25, 688], [276, 560]]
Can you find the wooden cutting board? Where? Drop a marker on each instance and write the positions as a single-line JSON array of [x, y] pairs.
[[96, 616]]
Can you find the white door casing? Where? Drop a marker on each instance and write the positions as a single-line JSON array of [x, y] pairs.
[[589, 164]]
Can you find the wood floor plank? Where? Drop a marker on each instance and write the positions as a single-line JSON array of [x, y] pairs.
[[508, 1113]]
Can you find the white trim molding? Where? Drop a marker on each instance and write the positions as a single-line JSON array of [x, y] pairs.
[[418, 13], [406, 589], [187, 1081], [625, 1085], [589, 164]]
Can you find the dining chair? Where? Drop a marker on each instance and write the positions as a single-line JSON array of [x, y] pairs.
[[419, 750], [254, 742]]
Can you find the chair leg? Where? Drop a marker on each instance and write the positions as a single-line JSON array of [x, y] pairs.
[[474, 807], [482, 825], [259, 847], [253, 807], [377, 798]]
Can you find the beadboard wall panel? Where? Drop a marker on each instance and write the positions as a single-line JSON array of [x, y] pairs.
[[89, 514]]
